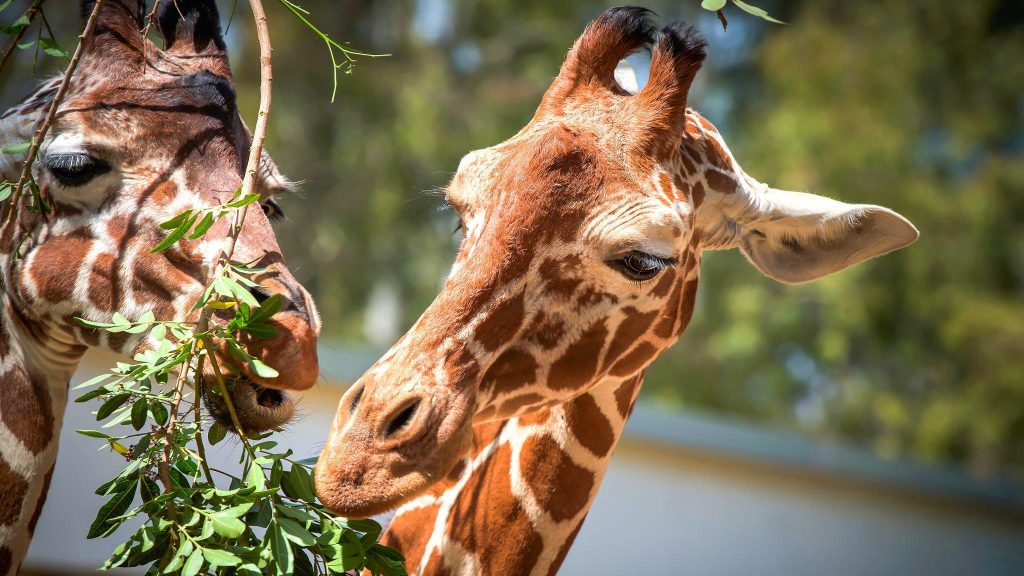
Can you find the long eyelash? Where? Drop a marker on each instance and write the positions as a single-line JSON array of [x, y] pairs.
[[656, 261], [67, 161], [445, 206]]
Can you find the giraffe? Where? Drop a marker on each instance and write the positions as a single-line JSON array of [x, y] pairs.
[[142, 135], [492, 421]]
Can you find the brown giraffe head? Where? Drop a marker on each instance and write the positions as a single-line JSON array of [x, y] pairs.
[[583, 235], [142, 135]]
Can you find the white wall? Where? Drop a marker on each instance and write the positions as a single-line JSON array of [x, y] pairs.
[[678, 514]]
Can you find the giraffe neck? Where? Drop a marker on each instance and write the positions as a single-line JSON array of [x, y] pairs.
[[515, 504], [34, 374]]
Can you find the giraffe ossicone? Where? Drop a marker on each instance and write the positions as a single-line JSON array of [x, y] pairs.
[[142, 135], [491, 422]]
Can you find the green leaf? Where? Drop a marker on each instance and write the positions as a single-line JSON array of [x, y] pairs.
[[216, 433], [94, 381], [299, 483], [176, 234], [16, 26], [268, 308], [755, 11], [261, 369], [112, 403], [236, 511], [713, 5], [226, 525], [220, 557], [51, 48], [202, 227], [296, 533], [6, 189], [246, 200], [148, 489], [159, 412], [92, 394], [388, 560], [114, 507], [139, 410], [241, 293], [256, 477], [281, 550], [194, 563], [248, 570], [261, 331], [183, 552], [93, 434], [176, 221]]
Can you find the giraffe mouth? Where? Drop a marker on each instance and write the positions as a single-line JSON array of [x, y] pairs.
[[258, 408]]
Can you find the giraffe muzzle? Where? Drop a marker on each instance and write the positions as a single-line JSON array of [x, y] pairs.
[[384, 448]]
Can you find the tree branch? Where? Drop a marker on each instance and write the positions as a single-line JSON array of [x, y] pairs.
[[31, 15], [51, 113]]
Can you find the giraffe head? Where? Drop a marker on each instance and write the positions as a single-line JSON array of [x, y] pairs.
[[142, 135], [583, 235]]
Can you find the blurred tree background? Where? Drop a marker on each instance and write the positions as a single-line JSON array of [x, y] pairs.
[[914, 105]]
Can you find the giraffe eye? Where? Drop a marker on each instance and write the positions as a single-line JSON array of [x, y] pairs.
[[639, 266], [273, 210], [74, 169]]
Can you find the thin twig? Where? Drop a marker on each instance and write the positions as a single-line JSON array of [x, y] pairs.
[[145, 33], [31, 15], [248, 183], [37, 139], [255, 148], [197, 407]]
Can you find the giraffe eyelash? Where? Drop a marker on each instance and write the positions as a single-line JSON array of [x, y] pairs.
[[446, 206]]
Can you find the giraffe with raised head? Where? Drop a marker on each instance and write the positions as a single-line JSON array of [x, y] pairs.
[[492, 421], [142, 135]]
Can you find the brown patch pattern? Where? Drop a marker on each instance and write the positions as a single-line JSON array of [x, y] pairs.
[[560, 486], [25, 406], [590, 426], [11, 496], [502, 324], [487, 501], [578, 364]]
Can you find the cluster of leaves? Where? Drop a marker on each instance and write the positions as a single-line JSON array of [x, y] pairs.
[[263, 520]]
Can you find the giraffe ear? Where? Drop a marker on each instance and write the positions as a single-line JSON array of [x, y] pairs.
[[795, 237], [591, 62], [117, 28], [661, 105]]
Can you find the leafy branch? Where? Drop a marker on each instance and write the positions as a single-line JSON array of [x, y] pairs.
[[267, 519], [347, 61]]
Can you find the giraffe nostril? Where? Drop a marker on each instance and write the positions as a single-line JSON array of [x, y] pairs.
[[260, 293], [401, 418]]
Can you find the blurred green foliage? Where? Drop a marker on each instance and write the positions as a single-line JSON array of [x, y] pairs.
[[914, 105]]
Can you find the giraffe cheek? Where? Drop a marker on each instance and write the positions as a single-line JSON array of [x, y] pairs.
[[53, 267]]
